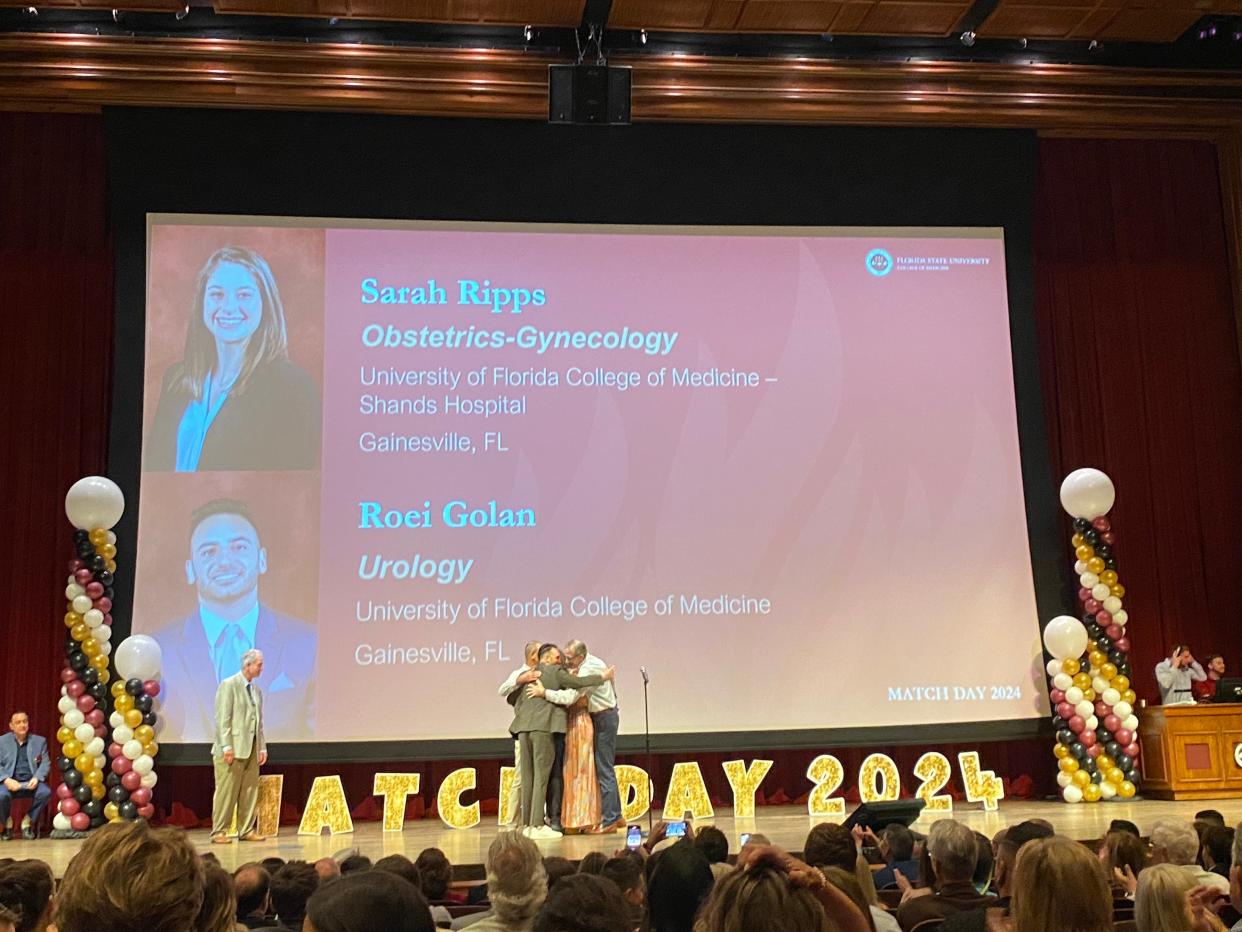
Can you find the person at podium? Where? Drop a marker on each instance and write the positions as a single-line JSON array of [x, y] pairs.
[[1176, 675], [1205, 690]]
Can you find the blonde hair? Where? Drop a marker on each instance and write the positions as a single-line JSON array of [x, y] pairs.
[[128, 877], [1160, 901], [1058, 886], [760, 899]]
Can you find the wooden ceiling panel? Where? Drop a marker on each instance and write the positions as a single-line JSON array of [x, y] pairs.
[[1118, 20], [877, 17], [914, 18], [1034, 21], [787, 16], [670, 15], [466, 12], [1151, 25], [138, 6]]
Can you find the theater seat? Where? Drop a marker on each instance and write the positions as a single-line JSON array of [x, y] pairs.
[[927, 925], [1125, 925]]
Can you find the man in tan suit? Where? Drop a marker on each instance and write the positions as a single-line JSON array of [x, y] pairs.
[[238, 752]]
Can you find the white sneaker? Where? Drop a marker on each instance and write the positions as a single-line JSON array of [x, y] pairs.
[[547, 831]]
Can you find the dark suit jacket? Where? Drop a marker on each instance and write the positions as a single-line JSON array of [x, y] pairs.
[[535, 713], [36, 754], [950, 899], [274, 424], [189, 677]]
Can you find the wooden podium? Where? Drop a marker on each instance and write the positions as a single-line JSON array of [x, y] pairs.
[[1192, 751]]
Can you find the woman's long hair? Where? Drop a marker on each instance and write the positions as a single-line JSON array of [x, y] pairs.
[[1058, 886], [268, 343]]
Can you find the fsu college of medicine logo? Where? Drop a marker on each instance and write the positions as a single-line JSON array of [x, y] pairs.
[[879, 262]]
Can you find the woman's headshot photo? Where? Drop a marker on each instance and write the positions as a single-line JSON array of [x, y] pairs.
[[235, 400]]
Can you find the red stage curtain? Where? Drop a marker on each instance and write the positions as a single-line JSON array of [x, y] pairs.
[[1142, 378], [55, 376]]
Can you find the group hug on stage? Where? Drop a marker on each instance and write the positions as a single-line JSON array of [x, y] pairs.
[[565, 721]]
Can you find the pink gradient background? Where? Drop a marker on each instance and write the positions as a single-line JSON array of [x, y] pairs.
[[873, 492]]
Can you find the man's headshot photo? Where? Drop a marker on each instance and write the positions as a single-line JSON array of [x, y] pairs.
[[225, 563]]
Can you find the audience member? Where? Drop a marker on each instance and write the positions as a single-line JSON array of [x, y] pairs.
[[1179, 845], [26, 888], [1217, 851], [1124, 856], [1013, 841], [436, 874], [516, 884], [953, 851], [896, 844], [219, 910], [592, 863], [368, 901], [556, 868], [715, 847], [1059, 887], [292, 886], [1162, 901], [8, 920], [253, 885], [402, 866], [627, 874], [984, 862], [327, 869], [354, 862], [584, 903], [272, 865], [1235, 877], [1210, 815], [679, 881], [878, 919], [831, 845], [1124, 825], [163, 889], [772, 891]]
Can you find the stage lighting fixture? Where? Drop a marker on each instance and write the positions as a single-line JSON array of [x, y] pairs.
[[528, 32], [183, 12], [1093, 46], [968, 38], [1022, 43], [31, 11], [116, 16], [642, 36], [333, 21]]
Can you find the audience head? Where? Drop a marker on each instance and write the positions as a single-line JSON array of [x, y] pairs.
[[365, 901], [1178, 842], [292, 885], [953, 851], [584, 903], [1235, 870], [531, 653], [435, 872], [1059, 887], [1210, 815], [402, 866], [355, 862], [219, 910], [557, 867], [516, 882], [1160, 901], [984, 862], [898, 842], [1120, 850], [26, 889], [848, 883], [757, 838], [713, 843], [272, 865], [1217, 846], [253, 885], [760, 898], [830, 845], [8, 919], [592, 863], [1124, 825], [129, 877], [679, 882], [627, 874], [327, 868]]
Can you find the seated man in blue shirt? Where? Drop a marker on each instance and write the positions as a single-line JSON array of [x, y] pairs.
[[24, 766], [896, 844]]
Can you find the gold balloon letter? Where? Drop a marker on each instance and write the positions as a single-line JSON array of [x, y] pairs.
[[326, 808], [448, 800], [634, 785], [687, 793], [267, 811], [508, 795], [745, 782], [874, 767], [826, 773], [981, 785], [933, 769], [396, 788]]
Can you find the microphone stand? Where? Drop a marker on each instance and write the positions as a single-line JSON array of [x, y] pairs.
[[647, 736]]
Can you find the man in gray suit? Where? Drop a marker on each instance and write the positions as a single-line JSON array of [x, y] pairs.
[[535, 720], [24, 766], [238, 752]]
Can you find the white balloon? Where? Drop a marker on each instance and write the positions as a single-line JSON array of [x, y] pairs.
[[95, 747], [60, 822], [1065, 637], [1112, 605], [132, 749], [103, 633], [1121, 617], [74, 718], [82, 604], [1100, 592], [1130, 722], [1053, 667], [94, 501], [1087, 493], [1080, 567], [1110, 696], [112, 538], [93, 618], [66, 703], [116, 720], [73, 590], [144, 764], [1084, 709], [1092, 722], [84, 732], [122, 734], [1064, 779], [150, 779], [1073, 695], [140, 656], [105, 648], [1089, 580], [101, 762], [1062, 681], [1099, 684], [1071, 794], [64, 690], [1107, 790], [1122, 709]]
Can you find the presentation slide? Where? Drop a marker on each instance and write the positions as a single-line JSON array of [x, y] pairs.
[[778, 468]]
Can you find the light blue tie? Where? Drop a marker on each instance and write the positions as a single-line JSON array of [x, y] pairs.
[[229, 648]]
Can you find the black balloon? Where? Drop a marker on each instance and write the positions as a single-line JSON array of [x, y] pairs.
[[1125, 764], [85, 550], [98, 821], [72, 777], [98, 564], [104, 577], [133, 686], [112, 780], [149, 718], [118, 794], [1081, 525], [70, 644], [1092, 536], [1097, 777], [66, 764], [1110, 563], [129, 812], [109, 592], [1113, 749], [1078, 749], [98, 692], [1065, 736], [82, 794], [81, 536], [93, 808], [90, 676], [79, 661], [143, 703]]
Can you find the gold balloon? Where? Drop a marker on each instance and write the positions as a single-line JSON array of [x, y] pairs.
[[133, 718], [1082, 778], [64, 734], [1077, 540], [1126, 789], [1082, 680], [99, 536], [1084, 552], [83, 762], [1129, 695], [1121, 682], [90, 647], [1095, 565], [1068, 764], [110, 565], [1098, 658], [118, 689], [124, 702], [1115, 775], [151, 748], [143, 733], [1118, 590], [1108, 671], [100, 662], [80, 631], [104, 676], [108, 552], [1089, 694], [1108, 577], [72, 748], [1104, 763], [1060, 750], [111, 812], [98, 790], [1070, 666], [72, 619], [1092, 793]]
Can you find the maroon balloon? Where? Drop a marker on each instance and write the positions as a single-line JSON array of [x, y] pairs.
[[1091, 606], [1114, 631], [95, 590], [122, 765], [1103, 618], [75, 564], [151, 688], [80, 821], [95, 716], [114, 750], [83, 576], [1124, 736], [1123, 643], [64, 791], [146, 812], [131, 780], [140, 796], [1065, 710], [86, 702], [1101, 708], [68, 675], [1084, 594], [1094, 750], [1133, 750], [1112, 723], [104, 604], [107, 619], [1108, 537], [1076, 724], [1087, 738], [1101, 524], [1057, 696], [100, 731], [76, 688], [70, 806]]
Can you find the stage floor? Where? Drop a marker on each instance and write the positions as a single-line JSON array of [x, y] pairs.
[[786, 826]]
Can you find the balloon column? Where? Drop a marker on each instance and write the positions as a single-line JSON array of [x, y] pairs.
[[1097, 728], [94, 505], [133, 723]]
